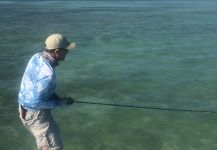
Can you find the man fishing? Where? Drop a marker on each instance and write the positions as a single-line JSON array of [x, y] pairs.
[[37, 93]]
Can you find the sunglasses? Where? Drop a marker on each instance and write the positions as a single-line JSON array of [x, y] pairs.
[[63, 49]]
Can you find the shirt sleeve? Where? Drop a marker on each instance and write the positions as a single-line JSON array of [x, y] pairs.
[[45, 94]]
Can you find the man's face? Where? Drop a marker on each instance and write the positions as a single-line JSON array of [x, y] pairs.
[[60, 54]]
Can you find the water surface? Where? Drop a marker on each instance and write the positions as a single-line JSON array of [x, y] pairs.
[[144, 53]]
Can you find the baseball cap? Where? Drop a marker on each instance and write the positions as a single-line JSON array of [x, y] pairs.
[[57, 40]]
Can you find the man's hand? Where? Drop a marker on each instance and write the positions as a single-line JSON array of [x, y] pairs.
[[23, 112], [66, 101], [69, 100]]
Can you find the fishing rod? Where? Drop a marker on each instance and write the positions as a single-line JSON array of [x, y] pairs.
[[145, 107]]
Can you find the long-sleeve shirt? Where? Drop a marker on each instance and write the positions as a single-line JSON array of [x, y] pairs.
[[38, 83]]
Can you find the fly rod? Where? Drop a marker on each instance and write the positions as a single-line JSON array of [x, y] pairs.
[[145, 107]]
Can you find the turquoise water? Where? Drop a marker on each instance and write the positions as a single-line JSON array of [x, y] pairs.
[[144, 53]]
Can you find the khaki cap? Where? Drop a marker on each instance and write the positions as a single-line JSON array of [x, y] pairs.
[[57, 40]]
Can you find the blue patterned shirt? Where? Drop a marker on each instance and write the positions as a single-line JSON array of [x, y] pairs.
[[38, 84]]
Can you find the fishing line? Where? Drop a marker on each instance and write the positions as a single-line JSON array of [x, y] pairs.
[[145, 107]]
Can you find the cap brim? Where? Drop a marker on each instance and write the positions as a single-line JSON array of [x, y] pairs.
[[70, 46]]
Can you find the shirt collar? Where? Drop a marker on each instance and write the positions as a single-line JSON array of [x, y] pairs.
[[50, 59]]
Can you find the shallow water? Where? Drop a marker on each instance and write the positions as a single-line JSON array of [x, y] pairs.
[[143, 53]]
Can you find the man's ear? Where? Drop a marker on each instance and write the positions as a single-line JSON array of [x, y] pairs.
[[56, 51]]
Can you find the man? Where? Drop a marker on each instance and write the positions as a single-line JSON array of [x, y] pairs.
[[37, 93]]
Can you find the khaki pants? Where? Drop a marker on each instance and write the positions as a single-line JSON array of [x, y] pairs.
[[42, 126]]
